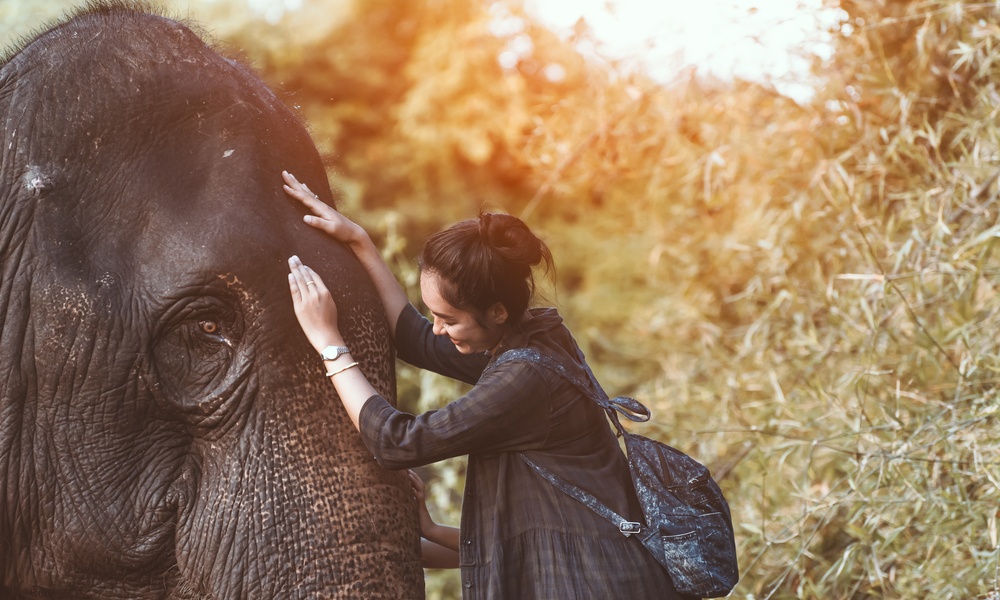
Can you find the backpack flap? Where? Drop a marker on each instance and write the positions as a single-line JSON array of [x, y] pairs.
[[689, 528]]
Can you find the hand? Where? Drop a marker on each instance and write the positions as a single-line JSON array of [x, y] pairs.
[[426, 522], [324, 217], [314, 306]]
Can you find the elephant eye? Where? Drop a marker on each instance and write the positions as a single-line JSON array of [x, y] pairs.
[[214, 332], [195, 354]]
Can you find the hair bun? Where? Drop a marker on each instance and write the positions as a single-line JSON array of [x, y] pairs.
[[511, 239]]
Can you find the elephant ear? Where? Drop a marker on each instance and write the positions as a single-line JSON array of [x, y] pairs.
[[199, 361]]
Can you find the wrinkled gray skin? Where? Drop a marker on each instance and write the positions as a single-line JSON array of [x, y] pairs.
[[165, 429]]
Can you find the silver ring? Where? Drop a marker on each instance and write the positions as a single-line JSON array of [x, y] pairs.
[[310, 283], [315, 197]]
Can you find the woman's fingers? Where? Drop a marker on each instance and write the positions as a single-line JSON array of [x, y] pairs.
[[304, 280], [301, 192], [314, 281], [293, 187], [417, 483], [312, 202], [325, 225], [304, 195], [299, 278]]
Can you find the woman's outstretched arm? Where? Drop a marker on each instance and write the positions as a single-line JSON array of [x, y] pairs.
[[316, 312], [333, 223]]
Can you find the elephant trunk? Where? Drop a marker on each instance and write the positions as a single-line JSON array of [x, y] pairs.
[[297, 508]]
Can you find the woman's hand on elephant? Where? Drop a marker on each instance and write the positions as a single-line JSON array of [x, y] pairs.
[[314, 306], [419, 492], [326, 218], [443, 553]]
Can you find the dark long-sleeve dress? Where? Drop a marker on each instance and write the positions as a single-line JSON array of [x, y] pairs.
[[520, 537]]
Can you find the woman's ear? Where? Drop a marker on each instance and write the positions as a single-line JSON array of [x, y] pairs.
[[498, 314]]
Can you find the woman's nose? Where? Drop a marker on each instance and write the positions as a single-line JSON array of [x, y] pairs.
[[438, 328]]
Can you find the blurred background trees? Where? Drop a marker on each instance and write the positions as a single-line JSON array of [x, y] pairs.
[[803, 292]]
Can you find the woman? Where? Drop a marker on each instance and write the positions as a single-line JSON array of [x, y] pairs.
[[519, 536]]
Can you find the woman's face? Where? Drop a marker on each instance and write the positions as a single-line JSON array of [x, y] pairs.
[[460, 325]]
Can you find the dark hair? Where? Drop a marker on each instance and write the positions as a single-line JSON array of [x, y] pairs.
[[487, 260]]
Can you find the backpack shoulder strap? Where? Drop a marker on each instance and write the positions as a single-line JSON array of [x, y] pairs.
[[586, 498], [629, 408]]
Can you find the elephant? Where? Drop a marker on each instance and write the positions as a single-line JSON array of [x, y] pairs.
[[166, 431]]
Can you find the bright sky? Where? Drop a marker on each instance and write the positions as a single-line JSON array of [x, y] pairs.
[[751, 39]]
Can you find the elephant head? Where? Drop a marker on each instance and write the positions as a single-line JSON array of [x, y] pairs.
[[165, 429]]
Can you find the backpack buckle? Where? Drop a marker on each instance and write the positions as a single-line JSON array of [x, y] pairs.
[[629, 527]]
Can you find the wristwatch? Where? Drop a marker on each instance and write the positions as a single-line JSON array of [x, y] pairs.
[[333, 352]]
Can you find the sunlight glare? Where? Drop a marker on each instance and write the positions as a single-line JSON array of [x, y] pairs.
[[765, 40]]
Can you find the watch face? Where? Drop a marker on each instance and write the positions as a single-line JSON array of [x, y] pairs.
[[333, 352]]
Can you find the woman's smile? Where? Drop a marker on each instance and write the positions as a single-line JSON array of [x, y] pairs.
[[461, 326]]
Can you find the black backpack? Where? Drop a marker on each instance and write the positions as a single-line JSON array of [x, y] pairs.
[[686, 524]]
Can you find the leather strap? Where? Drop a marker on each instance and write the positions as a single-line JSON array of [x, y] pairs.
[[587, 499]]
